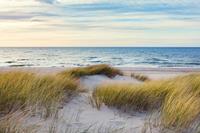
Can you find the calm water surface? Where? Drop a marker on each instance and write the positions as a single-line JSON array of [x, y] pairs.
[[123, 57]]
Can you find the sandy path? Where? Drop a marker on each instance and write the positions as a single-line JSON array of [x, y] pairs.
[[79, 114]]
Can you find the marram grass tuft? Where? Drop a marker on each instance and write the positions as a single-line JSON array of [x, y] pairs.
[[102, 69], [178, 100], [20, 89]]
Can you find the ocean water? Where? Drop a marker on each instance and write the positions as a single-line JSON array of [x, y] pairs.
[[121, 56]]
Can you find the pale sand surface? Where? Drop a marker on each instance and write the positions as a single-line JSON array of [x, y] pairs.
[[79, 115], [153, 73]]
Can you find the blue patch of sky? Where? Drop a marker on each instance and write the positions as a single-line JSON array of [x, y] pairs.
[[92, 11], [148, 8]]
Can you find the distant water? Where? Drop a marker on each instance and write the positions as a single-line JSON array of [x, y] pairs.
[[123, 57]]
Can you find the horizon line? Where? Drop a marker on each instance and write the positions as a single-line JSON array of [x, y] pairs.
[[100, 47]]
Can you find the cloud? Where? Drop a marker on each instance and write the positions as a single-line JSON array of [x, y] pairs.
[[47, 1], [24, 15], [136, 7], [90, 19], [126, 16], [14, 16]]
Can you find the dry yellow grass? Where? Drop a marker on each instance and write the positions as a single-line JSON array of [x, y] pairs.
[[140, 77], [13, 123], [178, 99], [21, 89], [24, 91], [92, 70]]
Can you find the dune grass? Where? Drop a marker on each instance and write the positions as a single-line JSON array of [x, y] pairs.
[[177, 99], [26, 91], [12, 123], [102, 69], [21, 89], [140, 77]]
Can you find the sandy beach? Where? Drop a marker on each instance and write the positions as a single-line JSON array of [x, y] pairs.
[[79, 114], [154, 73]]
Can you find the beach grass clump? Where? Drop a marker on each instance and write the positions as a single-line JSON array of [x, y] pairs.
[[182, 104], [141, 97], [14, 123], [177, 99], [20, 89], [102, 69], [140, 77]]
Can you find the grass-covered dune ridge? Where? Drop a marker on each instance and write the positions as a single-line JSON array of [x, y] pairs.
[[102, 69], [29, 93], [178, 99], [19, 89]]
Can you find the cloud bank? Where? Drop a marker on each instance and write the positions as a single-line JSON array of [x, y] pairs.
[[99, 22]]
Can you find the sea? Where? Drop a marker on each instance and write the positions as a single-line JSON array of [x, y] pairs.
[[116, 56]]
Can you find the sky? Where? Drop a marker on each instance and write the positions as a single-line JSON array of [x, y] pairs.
[[46, 23]]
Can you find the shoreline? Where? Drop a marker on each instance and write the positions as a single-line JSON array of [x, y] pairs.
[[153, 73], [172, 69]]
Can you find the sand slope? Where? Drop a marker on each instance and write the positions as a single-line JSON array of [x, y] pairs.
[[79, 115]]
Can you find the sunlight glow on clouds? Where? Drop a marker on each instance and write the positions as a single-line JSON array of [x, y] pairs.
[[99, 23]]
